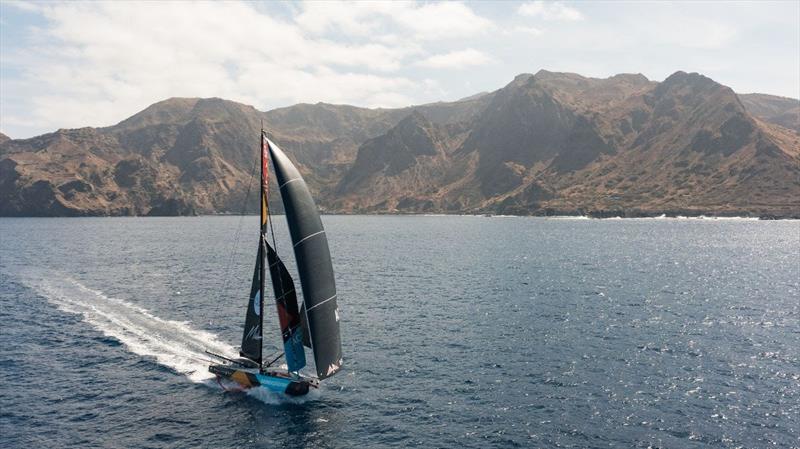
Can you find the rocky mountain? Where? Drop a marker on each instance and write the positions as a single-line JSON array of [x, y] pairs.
[[562, 143], [780, 111], [549, 143]]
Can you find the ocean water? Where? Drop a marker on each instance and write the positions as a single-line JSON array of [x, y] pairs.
[[457, 332]]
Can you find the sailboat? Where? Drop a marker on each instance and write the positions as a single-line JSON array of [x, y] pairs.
[[315, 323]]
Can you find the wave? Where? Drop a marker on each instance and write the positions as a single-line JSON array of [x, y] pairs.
[[173, 344]]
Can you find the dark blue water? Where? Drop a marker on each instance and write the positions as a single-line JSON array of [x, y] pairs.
[[457, 332]]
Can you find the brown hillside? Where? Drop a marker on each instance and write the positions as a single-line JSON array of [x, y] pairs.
[[545, 143]]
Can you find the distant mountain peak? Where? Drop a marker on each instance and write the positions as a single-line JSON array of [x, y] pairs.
[[693, 79], [545, 74], [522, 79], [414, 119], [171, 110], [633, 78], [178, 110]]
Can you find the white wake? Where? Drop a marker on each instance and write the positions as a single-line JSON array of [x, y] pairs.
[[173, 344]]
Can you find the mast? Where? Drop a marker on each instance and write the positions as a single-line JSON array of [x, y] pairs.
[[252, 340], [262, 236]]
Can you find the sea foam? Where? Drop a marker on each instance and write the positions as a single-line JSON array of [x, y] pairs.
[[173, 344]]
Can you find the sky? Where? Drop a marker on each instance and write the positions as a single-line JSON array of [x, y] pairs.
[[74, 64]]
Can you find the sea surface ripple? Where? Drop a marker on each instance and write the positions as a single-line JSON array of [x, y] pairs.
[[457, 332]]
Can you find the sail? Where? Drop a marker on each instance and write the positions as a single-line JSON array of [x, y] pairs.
[[288, 313], [313, 265], [251, 339], [304, 326]]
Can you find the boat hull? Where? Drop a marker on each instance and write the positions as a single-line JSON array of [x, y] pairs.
[[276, 381]]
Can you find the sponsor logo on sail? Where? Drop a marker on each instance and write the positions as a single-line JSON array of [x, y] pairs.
[[254, 333], [257, 304]]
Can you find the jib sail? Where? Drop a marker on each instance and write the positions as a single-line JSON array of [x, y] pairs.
[[288, 313]]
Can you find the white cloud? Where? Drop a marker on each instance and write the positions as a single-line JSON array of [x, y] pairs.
[[97, 63], [533, 31], [688, 32], [357, 19], [555, 11], [90, 63], [445, 20], [455, 59]]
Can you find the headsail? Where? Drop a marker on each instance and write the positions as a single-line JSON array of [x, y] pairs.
[[251, 339], [288, 313], [313, 264]]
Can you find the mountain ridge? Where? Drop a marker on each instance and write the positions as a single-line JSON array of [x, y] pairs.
[[545, 143]]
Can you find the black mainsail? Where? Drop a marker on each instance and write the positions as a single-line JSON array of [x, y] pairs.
[[313, 265]]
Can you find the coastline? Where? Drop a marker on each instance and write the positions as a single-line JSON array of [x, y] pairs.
[[590, 216]]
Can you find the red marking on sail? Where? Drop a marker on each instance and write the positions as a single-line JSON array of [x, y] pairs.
[[284, 318], [265, 161]]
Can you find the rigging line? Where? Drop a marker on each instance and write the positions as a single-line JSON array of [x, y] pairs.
[[276, 359], [237, 234], [285, 294]]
